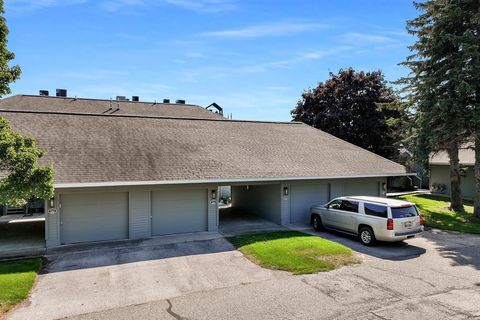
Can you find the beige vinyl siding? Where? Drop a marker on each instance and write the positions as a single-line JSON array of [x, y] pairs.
[[441, 174]]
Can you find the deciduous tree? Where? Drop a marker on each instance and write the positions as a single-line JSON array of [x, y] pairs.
[[357, 107], [21, 178]]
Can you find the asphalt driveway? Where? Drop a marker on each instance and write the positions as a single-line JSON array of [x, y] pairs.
[[436, 276]]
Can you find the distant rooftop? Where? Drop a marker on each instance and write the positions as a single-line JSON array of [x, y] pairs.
[[105, 107], [466, 155]]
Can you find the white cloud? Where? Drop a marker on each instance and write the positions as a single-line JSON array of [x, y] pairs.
[[356, 38], [200, 6], [116, 5], [205, 6], [295, 60], [265, 30], [29, 5]]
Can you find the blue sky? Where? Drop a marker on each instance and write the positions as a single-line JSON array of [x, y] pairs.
[[254, 58]]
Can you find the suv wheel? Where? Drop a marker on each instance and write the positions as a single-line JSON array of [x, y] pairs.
[[317, 223], [366, 235]]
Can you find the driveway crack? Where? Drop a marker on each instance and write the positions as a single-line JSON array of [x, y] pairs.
[[173, 314], [327, 292]]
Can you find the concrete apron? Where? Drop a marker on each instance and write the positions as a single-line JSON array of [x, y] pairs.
[[131, 244]]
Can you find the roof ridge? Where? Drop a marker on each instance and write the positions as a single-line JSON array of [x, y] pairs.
[[106, 100], [144, 116]]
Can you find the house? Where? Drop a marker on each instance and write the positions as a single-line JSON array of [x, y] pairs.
[[420, 180], [135, 170], [440, 172]]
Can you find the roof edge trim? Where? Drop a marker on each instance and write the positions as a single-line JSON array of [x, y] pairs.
[[215, 181]]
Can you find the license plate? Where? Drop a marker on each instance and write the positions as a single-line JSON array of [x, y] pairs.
[[407, 224]]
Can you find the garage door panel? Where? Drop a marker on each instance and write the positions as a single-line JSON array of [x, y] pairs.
[[362, 188], [94, 217], [179, 211], [302, 197]]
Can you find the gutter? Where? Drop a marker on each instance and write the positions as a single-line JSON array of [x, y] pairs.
[[216, 181]]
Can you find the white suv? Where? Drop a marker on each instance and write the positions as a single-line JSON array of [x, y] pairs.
[[369, 218]]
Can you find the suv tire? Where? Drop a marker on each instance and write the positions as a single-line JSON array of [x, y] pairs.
[[366, 236], [317, 222]]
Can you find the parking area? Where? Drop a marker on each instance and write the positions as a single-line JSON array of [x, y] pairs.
[[234, 221], [433, 276], [22, 235]]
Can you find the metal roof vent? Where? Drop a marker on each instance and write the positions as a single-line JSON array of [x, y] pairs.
[[61, 92], [135, 98], [180, 101], [166, 100], [121, 98], [43, 93]]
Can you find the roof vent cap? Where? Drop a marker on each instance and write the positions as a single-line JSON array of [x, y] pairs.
[[166, 100], [61, 92], [135, 98], [180, 101], [43, 93], [121, 98]]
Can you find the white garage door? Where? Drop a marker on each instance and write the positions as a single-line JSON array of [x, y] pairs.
[[179, 211], [302, 197], [93, 217]]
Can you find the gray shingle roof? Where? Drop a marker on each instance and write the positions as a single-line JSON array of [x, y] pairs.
[[99, 106], [96, 148], [466, 154]]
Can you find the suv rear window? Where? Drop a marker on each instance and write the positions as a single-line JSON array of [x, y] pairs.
[[404, 212], [375, 210]]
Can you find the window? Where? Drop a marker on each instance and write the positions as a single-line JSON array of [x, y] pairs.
[[404, 212], [350, 206], [335, 204], [375, 210]]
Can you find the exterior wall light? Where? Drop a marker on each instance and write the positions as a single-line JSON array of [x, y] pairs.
[[52, 202], [285, 191], [248, 187], [384, 187], [214, 194]]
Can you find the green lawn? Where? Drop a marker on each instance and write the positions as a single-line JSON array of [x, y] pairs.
[[293, 251], [436, 214], [16, 280]]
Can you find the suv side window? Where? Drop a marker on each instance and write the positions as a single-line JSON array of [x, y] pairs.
[[335, 204], [375, 210], [350, 206]]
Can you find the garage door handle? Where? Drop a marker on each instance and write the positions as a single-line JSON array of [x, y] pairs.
[[61, 223]]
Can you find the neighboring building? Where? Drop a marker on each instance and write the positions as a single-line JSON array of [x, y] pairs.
[[440, 172], [420, 180], [133, 170]]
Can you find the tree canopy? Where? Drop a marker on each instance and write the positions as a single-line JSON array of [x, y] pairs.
[[21, 178], [357, 107]]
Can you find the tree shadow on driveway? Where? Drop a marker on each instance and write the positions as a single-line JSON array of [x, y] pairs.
[[462, 249], [396, 251]]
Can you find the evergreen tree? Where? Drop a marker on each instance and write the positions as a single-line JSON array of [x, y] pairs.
[[436, 86]]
